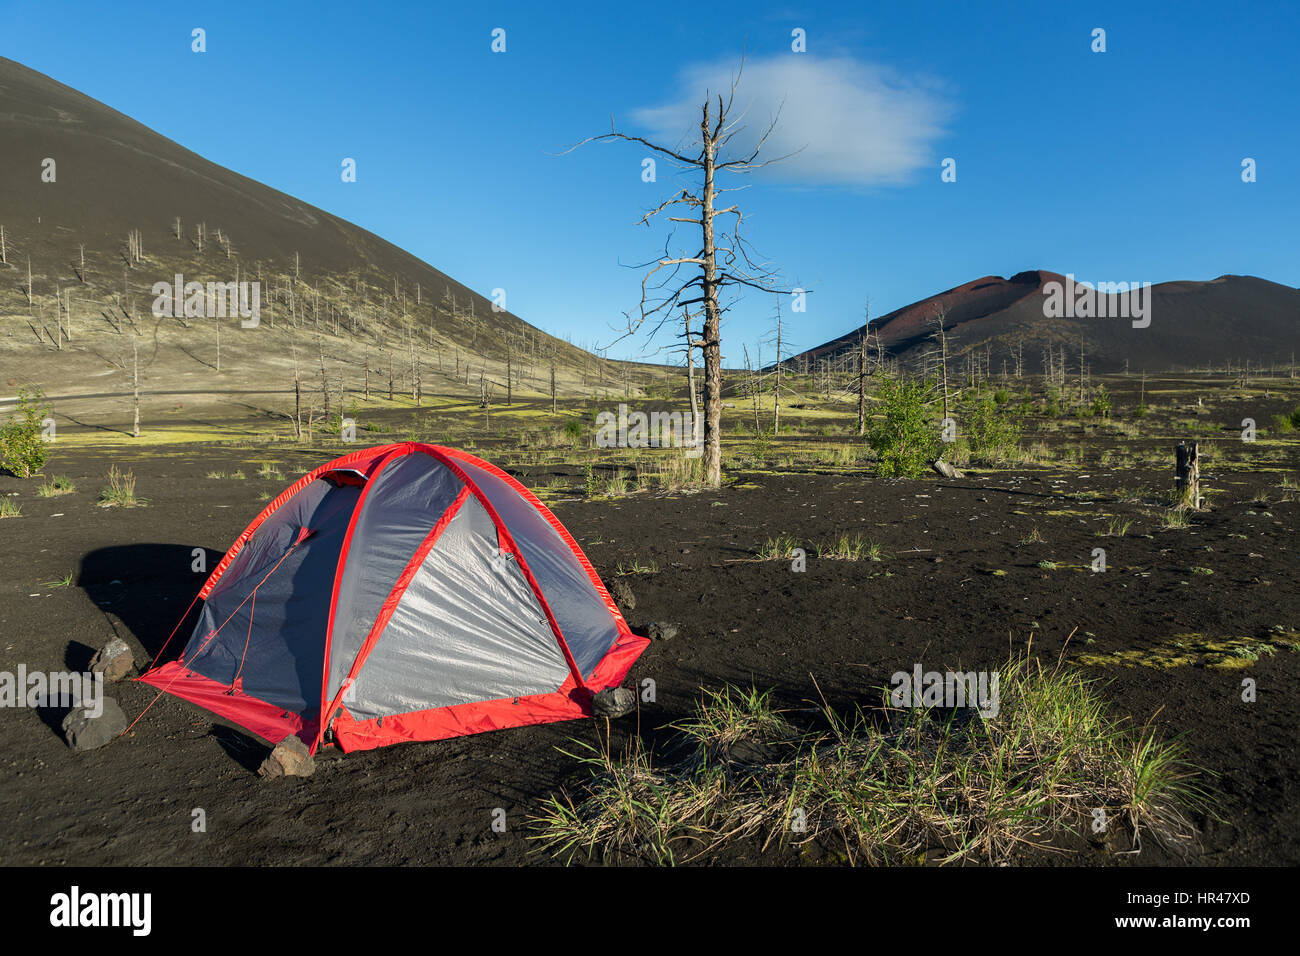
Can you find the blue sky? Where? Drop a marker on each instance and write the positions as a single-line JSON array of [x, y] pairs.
[[1116, 166]]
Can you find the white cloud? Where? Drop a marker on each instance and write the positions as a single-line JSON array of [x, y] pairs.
[[852, 123]]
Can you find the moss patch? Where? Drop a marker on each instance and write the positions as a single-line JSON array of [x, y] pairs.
[[1198, 650]]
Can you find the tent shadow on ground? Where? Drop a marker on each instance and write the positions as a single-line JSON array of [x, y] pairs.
[[246, 750], [145, 587]]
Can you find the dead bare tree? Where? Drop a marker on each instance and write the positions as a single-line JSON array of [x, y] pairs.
[[324, 379], [940, 320], [862, 371], [723, 260], [131, 363], [135, 386], [776, 370], [752, 377], [297, 395]]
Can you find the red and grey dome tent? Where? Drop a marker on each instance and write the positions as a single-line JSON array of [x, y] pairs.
[[405, 592]]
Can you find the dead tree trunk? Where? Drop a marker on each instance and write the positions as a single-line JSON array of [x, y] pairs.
[[1187, 479], [940, 318], [324, 379], [135, 385], [862, 383], [297, 396], [776, 388], [753, 389]]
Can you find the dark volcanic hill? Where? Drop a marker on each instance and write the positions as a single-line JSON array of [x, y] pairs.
[[1192, 324], [115, 175]]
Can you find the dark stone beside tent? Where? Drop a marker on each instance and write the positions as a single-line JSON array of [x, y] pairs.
[[613, 702], [661, 631], [83, 731]]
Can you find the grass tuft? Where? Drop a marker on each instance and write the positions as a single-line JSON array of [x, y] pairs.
[[893, 785], [56, 486], [120, 492]]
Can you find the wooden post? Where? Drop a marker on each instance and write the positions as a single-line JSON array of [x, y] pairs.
[[1187, 481]]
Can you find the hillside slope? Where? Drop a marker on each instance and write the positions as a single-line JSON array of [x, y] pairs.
[[1192, 324], [326, 285]]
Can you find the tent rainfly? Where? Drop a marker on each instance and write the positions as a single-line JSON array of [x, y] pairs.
[[404, 592]]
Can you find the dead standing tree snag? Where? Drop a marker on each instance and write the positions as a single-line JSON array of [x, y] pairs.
[[1187, 475], [724, 259]]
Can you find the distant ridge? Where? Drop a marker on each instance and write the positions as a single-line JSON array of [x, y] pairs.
[[1192, 324]]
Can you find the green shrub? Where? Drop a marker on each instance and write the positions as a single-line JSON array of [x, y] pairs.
[[904, 440], [22, 448], [1287, 421], [1101, 404], [993, 434]]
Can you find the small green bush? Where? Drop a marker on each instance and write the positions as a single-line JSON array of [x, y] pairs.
[[1101, 404], [993, 434], [905, 440], [22, 448]]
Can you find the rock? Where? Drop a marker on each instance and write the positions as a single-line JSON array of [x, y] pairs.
[[659, 631], [622, 594], [289, 759], [745, 751], [84, 731], [946, 469], [114, 660], [613, 702]]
